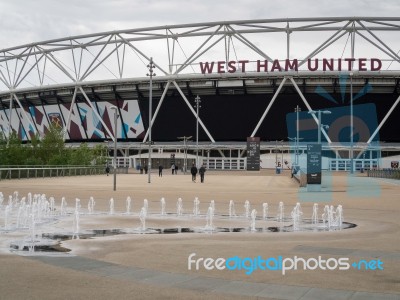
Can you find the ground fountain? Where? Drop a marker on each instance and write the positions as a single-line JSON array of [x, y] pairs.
[[339, 216], [142, 217], [212, 204], [7, 216], [76, 218], [128, 205], [77, 204], [52, 206], [91, 205], [196, 210], [265, 211], [232, 212], [209, 219], [111, 212], [29, 199], [314, 217], [281, 212], [332, 218], [20, 215], [253, 220], [296, 215], [179, 207], [162, 202], [63, 207], [247, 209], [31, 244]]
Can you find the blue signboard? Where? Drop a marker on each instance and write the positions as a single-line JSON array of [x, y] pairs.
[[314, 163]]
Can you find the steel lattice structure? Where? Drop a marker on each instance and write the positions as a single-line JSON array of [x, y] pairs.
[[110, 67]]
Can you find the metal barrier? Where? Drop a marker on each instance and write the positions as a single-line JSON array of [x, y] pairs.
[[384, 173], [50, 171]]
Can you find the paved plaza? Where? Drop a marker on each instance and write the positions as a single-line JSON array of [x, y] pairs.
[[155, 266]]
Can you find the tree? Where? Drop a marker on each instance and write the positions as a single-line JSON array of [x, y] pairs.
[[33, 151], [15, 153], [50, 150], [52, 147]]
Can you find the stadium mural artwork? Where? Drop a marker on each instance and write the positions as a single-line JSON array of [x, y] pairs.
[[324, 64], [84, 123]]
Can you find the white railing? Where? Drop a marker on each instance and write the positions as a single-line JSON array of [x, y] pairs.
[[14, 172]]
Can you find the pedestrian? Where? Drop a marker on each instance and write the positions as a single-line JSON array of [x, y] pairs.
[[193, 170], [173, 169], [107, 170], [160, 168], [201, 172], [145, 169]]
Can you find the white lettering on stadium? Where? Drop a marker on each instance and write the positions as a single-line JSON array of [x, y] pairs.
[[316, 64]]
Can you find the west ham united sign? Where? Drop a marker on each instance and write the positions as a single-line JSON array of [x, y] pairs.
[[325, 64]]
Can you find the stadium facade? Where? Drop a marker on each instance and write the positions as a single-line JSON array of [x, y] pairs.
[[249, 75]]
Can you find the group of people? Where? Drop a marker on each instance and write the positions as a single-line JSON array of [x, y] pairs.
[[194, 171], [173, 168]]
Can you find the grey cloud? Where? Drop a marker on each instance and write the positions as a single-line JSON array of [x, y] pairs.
[[30, 21]]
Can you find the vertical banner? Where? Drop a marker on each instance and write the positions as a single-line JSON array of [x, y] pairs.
[[314, 163], [253, 154]]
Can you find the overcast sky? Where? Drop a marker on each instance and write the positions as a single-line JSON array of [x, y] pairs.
[[26, 21]]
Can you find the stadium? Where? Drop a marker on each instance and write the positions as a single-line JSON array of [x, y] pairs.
[[205, 88], [247, 99]]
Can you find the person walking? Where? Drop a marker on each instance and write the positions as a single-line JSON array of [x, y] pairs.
[[201, 172], [173, 169], [193, 170], [160, 168], [107, 170]]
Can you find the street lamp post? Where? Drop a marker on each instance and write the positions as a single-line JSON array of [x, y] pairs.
[[296, 142], [185, 139], [197, 101], [320, 126], [151, 73], [296, 159], [276, 154], [282, 155], [351, 125], [115, 145]]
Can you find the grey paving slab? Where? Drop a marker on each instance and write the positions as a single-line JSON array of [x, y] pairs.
[[241, 288], [75, 262], [377, 254], [327, 294], [202, 283], [136, 274], [369, 253], [347, 251], [284, 292], [108, 271], [391, 256], [374, 296], [167, 279]]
